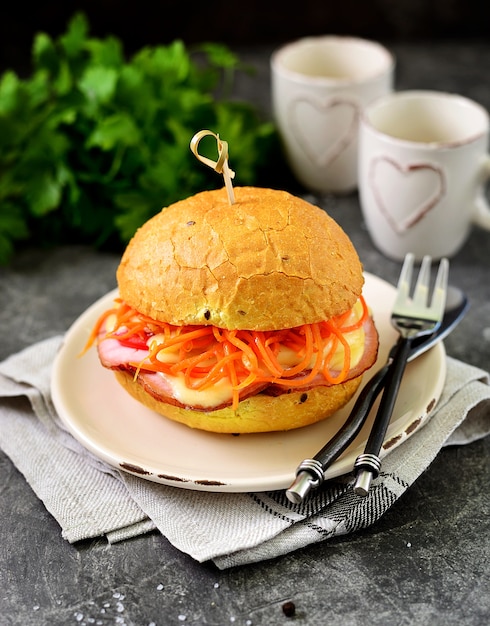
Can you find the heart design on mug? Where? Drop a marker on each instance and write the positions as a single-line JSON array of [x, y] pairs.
[[405, 193], [323, 128]]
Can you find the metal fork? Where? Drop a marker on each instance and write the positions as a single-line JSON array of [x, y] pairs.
[[412, 317]]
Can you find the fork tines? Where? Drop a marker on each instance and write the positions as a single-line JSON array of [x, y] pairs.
[[404, 305]]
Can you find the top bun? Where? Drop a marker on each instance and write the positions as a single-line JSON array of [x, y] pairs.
[[269, 261]]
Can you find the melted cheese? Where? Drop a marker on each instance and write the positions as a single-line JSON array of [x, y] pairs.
[[218, 394]]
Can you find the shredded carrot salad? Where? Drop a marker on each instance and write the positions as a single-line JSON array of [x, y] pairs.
[[206, 355]]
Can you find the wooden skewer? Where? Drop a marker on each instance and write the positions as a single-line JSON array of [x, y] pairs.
[[221, 165]]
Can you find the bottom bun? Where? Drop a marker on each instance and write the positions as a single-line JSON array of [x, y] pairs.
[[260, 413]]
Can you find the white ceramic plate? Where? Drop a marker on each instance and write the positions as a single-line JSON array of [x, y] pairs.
[[117, 429]]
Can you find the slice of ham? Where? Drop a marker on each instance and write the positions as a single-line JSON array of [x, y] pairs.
[[116, 356], [113, 354], [158, 387]]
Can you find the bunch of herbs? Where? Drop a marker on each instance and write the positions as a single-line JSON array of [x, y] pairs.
[[92, 144]]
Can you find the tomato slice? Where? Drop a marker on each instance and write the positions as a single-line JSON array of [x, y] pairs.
[[135, 341]]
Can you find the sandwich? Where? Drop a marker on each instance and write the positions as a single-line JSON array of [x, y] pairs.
[[239, 318]]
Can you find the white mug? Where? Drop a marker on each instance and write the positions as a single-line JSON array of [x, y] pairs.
[[319, 86], [423, 165]]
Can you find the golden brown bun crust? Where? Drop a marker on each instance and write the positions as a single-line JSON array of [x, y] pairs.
[[270, 261], [260, 413]]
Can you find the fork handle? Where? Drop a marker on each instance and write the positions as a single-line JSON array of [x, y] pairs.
[[369, 461]]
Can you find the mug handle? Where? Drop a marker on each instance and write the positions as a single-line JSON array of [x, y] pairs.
[[481, 215]]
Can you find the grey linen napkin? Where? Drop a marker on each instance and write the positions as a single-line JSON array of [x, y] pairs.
[[89, 498]]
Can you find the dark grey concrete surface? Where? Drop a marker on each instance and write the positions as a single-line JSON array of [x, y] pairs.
[[426, 562]]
